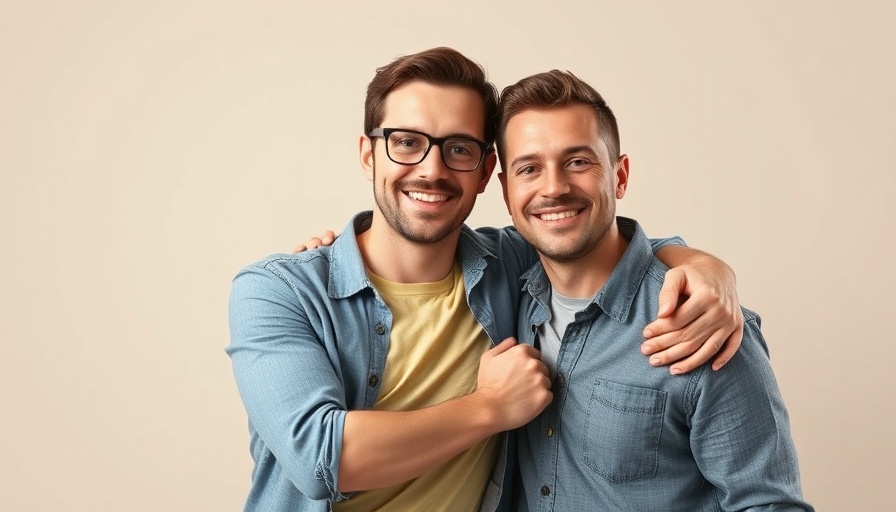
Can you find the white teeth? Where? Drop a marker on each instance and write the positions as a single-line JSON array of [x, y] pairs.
[[429, 198], [558, 215]]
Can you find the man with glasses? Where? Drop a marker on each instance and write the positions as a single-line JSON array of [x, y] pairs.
[[409, 147], [380, 373]]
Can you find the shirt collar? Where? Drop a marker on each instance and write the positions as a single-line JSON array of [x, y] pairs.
[[617, 294], [348, 274]]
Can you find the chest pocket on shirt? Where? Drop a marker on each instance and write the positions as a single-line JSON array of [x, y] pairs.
[[622, 431]]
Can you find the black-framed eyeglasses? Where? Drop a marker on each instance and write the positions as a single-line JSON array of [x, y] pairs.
[[410, 147]]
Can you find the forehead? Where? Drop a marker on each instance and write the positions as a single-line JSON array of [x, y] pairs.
[[435, 109], [552, 130]]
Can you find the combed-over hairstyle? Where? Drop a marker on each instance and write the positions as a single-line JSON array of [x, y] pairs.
[[555, 89], [437, 66]]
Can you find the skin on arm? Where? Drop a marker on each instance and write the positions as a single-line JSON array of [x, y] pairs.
[[386, 448], [296, 401], [383, 448], [699, 312]]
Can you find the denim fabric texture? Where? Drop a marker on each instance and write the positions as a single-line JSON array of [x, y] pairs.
[[621, 435], [309, 338]]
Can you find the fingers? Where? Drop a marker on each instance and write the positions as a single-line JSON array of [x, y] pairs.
[[729, 348], [312, 243], [535, 357], [696, 307], [515, 382], [689, 345], [685, 352], [500, 348], [521, 356], [690, 333], [702, 354], [527, 353], [676, 353], [686, 335], [674, 286], [702, 313], [327, 238]]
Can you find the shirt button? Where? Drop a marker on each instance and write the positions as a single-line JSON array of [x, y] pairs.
[[549, 431], [373, 380], [380, 329], [560, 379], [545, 490]]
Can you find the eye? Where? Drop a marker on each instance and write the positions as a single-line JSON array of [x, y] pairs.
[[579, 164], [525, 170], [406, 142], [459, 148]]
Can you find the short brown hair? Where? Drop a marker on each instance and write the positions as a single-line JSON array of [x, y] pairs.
[[555, 89], [437, 66]]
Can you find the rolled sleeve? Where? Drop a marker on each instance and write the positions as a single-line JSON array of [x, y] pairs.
[[288, 379]]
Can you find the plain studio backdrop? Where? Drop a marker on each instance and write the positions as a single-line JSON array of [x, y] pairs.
[[149, 150]]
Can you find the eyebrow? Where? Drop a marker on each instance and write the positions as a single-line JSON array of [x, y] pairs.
[[524, 158], [450, 135], [566, 151]]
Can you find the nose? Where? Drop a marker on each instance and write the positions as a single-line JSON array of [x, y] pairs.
[[432, 167], [555, 183]]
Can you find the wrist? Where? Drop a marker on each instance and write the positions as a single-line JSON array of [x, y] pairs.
[[482, 411]]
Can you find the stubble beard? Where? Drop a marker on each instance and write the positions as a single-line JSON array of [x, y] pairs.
[[583, 245], [426, 229]]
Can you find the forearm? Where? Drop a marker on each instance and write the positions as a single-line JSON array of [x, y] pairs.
[[676, 256], [386, 448], [382, 448]]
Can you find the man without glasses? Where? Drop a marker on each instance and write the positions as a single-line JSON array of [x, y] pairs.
[[620, 434], [381, 372]]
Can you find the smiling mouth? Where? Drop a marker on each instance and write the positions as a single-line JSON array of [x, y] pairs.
[[427, 198], [554, 216]]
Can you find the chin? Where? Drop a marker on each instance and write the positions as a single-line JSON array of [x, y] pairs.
[[562, 253]]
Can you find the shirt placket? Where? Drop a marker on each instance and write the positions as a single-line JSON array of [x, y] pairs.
[[380, 329], [571, 346]]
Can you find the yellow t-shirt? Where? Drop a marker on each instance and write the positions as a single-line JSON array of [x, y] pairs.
[[434, 352]]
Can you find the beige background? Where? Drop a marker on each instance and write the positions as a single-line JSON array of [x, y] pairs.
[[149, 150]]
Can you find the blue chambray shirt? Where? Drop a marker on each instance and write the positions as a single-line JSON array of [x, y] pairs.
[[309, 338], [621, 435]]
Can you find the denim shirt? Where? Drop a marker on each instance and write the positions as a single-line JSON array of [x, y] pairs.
[[309, 338], [622, 435]]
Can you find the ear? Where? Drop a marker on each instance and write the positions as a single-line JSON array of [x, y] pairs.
[[488, 167], [503, 177], [365, 146], [621, 176]]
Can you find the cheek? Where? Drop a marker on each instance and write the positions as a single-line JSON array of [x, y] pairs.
[[516, 199]]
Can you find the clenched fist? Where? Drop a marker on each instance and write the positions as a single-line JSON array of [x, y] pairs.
[[514, 382]]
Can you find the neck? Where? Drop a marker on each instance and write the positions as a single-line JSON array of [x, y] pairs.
[[392, 257], [585, 276]]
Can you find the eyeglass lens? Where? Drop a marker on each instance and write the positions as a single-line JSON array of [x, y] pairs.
[[411, 148]]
